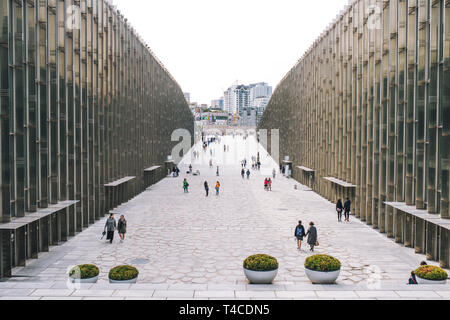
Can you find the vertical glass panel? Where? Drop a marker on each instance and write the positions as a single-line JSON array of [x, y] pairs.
[[445, 111], [4, 119], [32, 111], [432, 110]]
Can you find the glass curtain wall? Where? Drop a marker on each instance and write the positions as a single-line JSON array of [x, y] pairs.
[[381, 109], [83, 102]]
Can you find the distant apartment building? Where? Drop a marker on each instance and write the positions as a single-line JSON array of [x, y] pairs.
[[259, 105], [260, 94], [260, 90], [187, 96], [247, 103], [217, 104], [236, 99]]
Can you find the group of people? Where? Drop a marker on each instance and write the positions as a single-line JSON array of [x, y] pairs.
[[208, 142], [111, 226], [207, 188], [268, 184], [343, 208], [256, 165], [300, 233], [226, 148], [175, 171], [243, 173], [206, 185]]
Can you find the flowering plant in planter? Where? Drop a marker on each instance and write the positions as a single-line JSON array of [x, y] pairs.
[[123, 273], [323, 263], [431, 273], [84, 271], [322, 269], [261, 262]]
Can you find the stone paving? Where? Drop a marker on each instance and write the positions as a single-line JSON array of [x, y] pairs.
[[187, 246]]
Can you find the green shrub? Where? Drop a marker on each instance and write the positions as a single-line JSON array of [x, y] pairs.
[[431, 273], [322, 262], [122, 273], [84, 271], [261, 262]]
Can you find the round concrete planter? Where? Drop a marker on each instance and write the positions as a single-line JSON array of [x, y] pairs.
[[89, 280], [425, 281], [123, 281], [260, 277], [322, 277]]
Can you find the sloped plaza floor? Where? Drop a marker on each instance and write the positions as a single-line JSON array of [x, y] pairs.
[[189, 246]]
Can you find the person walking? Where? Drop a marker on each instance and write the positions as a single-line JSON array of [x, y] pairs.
[[299, 233], [207, 188], [185, 186], [217, 172], [243, 173], [266, 184], [269, 184], [347, 207], [339, 209], [122, 228], [210, 164], [259, 165], [110, 227], [312, 236], [190, 168], [248, 173], [412, 279], [217, 188], [274, 173]]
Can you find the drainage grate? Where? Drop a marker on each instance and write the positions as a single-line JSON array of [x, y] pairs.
[[140, 261]]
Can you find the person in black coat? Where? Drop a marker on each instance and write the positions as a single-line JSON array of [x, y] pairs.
[[312, 236], [110, 226], [299, 233], [347, 208], [339, 209], [206, 188]]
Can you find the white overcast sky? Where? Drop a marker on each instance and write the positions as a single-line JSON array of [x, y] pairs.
[[209, 44]]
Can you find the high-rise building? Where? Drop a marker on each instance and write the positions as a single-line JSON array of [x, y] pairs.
[[259, 105], [236, 99], [260, 94], [260, 90]]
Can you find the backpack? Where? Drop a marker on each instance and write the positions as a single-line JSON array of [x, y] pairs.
[[299, 232]]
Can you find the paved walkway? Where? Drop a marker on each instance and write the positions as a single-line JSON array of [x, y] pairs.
[[189, 246]]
